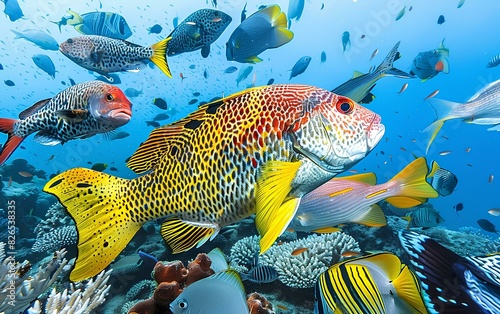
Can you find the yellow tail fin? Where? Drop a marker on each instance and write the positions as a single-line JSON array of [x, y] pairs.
[[414, 187], [75, 19], [408, 289], [103, 225], [159, 56]]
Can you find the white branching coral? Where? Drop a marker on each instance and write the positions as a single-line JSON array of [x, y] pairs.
[[302, 270], [55, 239], [77, 301], [20, 288]]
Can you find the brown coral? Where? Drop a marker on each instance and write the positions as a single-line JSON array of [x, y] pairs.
[[258, 304]]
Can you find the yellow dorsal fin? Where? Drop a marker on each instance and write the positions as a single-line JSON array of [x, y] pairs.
[[434, 168], [102, 221], [388, 263], [414, 186], [374, 217], [273, 211], [368, 178], [408, 289], [182, 235], [357, 74]]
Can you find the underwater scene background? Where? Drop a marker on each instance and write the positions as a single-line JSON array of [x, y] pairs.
[[468, 151]]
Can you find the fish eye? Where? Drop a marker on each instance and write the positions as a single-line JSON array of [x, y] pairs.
[[183, 304], [109, 97], [69, 41], [345, 107]]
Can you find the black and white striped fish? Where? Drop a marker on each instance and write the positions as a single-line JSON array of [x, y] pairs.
[[107, 55], [451, 283], [494, 61], [260, 274], [424, 216], [78, 112]]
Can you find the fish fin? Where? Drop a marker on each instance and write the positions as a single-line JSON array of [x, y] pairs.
[[253, 59], [445, 65], [75, 19], [273, 211], [408, 289], [405, 202], [280, 34], [439, 269], [481, 91], [205, 51], [102, 219], [81, 29], [219, 261], [72, 115], [489, 265], [31, 110], [183, 235], [327, 230], [413, 184], [443, 51], [389, 59], [18, 34], [443, 109], [13, 141], [357, 74], [230, 277], [397, 73], [159, 56], [484, 121], [374, 217], [368, 178], [434, 167], [494, 128], [46, 138], [96, 56]]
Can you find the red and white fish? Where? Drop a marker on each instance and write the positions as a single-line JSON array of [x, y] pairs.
[[78, 112]]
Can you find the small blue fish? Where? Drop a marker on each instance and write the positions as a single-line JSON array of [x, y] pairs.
[[346, 41], [440, 20], [39, 38], [45, 64], [243, 13], [495, 61], [243, 74], [260, 274], [401, 13], [132, 92], [271, 81], [295, 9], [155, 29], [205, 73], [9, 83], [230, 70], [148, 260], [13, 10], [175, 21], [300, 66], [323, 57]]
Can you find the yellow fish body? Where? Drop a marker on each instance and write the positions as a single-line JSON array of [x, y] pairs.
[[257, 151]]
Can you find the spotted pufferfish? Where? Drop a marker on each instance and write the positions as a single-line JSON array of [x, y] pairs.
[[257, 151]]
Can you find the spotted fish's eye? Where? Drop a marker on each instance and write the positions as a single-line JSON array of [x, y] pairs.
[[109, 97], [344, 106], [69, 41]]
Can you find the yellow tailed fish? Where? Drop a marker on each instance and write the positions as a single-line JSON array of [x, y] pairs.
[[257, 151]]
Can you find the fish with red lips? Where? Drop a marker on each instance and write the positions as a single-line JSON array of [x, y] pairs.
[[78, 112]]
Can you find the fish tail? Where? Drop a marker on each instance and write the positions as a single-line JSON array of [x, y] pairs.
[[443, 109], [18, 34], [159, 56], [75, 19], [103, 223], [13, 141], [387, 68], [414, 187], [408, 289]]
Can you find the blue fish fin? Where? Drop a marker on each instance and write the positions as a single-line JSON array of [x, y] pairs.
[[219, 261], [205, 51]]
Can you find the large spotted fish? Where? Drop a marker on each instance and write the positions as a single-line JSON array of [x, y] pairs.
[[80, 111], [198, 31], [257, 151], [107, 55]]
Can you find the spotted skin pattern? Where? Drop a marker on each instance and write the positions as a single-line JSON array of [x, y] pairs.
[[105, 55], [201, 172], [198, 30], [84, 96]]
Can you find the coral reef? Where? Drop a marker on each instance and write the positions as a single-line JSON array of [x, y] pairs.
[[21, 285], [258, 304], [300, 271], [18, 167], [76, 300], [55, 239], [56, 217]]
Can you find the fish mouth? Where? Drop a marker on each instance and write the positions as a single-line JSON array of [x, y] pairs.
[[374, 132], [120, 116]]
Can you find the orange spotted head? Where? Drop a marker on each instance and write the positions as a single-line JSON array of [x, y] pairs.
[[109, 105]]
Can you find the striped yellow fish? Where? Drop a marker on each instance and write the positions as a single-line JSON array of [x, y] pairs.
[[376, 283], [257, 151]]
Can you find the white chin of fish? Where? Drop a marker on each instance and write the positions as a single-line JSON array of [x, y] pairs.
[[374, 136]]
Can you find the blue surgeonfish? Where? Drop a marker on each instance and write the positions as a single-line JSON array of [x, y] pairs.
[[45, 64], [221, 293], [300, 66], [451, 283], [376, 283], [12, 10], [428, 64], [198, 31], [265, 29]]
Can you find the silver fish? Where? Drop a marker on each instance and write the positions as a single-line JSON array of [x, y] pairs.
[[78, 112], [482, 108], [106, 55], [361, 84]]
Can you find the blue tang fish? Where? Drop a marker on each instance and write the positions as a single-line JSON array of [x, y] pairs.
[[300, 66], [346, 41], [198, 31], [221, 293], [100, 23], [428, 64], [451, 283], [12, 10], [265, 29], [45, 64]]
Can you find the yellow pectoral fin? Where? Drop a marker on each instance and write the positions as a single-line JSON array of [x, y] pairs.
[[374, 217], [273, 213], [183, 235], [408, 289], [405, 202]]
